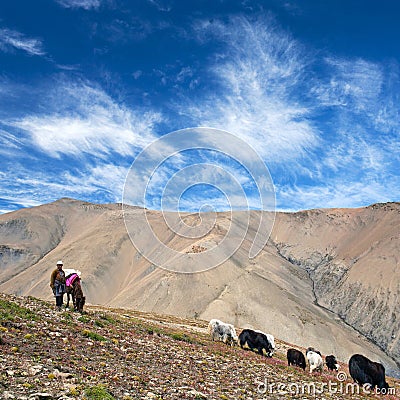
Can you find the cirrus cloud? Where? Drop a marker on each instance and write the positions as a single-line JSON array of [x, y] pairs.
[[85, 120], [253, 95], [85, 4], [14, 40]]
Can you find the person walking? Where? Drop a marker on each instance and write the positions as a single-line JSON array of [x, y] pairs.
[[57, 284]]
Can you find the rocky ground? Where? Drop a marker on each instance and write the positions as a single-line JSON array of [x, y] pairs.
[[124, 354]]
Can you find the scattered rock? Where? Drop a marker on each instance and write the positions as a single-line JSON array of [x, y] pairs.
[[197, 394], [35, 369], [41, 396], [62, 375], [8, 396]]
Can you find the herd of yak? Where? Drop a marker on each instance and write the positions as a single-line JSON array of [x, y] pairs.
[[362, 370]]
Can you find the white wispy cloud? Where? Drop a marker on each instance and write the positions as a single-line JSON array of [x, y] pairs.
[[83, 119], [361, 92], [255, 77], [355, 84], [102, 182], [354, 147], [360, 156], [95, 137], [105, 177], [11, 39], [161, 5], [21, 201], [266, 91], [9, 143], [85, 4], [337, 193]]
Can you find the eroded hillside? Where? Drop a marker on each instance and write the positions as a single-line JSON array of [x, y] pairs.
[[352, 258]]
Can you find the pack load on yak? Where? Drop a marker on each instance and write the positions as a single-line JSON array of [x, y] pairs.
[[74, 289]]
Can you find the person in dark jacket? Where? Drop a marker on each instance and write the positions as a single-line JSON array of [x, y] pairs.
[[57, 284]]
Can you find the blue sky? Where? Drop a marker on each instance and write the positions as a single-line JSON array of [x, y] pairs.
[[312, 86]]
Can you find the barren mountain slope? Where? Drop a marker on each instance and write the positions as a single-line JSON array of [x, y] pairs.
[[317, 249]]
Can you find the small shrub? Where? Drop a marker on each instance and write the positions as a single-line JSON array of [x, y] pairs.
[[108, 319], [93, 335], [98, 392], [153, 331], [73, 391], [67, 316], [182, 337], [99, 323]]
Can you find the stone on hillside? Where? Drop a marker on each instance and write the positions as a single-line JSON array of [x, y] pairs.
[[41, 396], [197, 394]]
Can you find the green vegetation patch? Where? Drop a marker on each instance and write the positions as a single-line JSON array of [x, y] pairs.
[[99, 323], [84, 319], [67, 316], [98, 392], [108, 319], [9, 311], [182, 337], [154, 330], [93, 335]]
